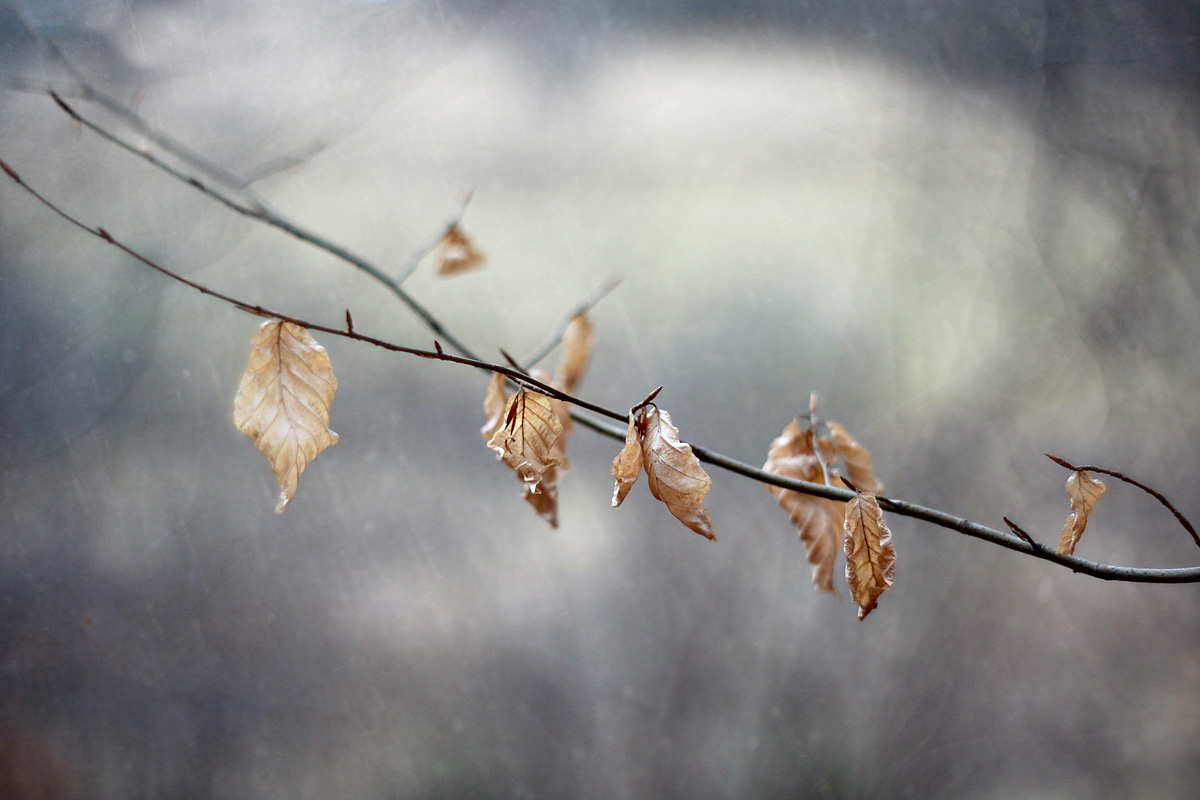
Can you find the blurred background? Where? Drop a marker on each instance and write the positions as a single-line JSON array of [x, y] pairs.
[[970, 226]]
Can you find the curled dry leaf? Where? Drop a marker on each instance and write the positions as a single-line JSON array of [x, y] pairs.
[[628, 463], [525, 441], [1084, 491], [577, 342], [856, 458], [543, 494], [674, 473], [818, 520], [870, 557], [456, 253], [494, 403], [546, 420], [283, 401]]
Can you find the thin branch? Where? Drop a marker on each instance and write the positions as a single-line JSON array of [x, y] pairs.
[[598, 294], [263, 214], [347, 333], [933, 516], [1187, 525]]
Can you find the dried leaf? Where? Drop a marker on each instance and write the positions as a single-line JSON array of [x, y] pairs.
[[577, 342], [1084, 491], [797, 441], [870, 557], [531, 426], [856, 458], [543, 494], [494, 403], [456, 253], [283, 401], [674, 473], [818, 520], [628, 463]]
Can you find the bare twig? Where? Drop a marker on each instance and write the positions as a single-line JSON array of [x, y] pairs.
[[903, 508], [1019, 531], [555, 339], [1187, 525], [262, 213]]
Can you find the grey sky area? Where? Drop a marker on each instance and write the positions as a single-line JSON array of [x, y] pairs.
[[971, 227]]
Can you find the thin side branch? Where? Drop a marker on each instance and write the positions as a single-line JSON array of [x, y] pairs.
[[602, 291], [903, 508], [259, 211], [1187, 525]]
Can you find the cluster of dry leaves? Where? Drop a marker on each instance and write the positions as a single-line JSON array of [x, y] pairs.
[[285, 395]]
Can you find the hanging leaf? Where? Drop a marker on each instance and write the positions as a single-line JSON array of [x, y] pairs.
[[577, 342], [818, 520], [456, 253], [530, 429], [543, 494], [494, 403], [856, 458], [870, 557], [283, 401], [539, 490], [628, 463], [1084, 491], [674, 473]]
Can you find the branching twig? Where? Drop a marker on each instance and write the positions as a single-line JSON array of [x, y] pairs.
[[259, 211], [1187, 525], [1023, 545], [555, 338]]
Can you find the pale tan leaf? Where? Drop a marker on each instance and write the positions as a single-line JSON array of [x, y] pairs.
[[797, 441], [456, 253], [283, 401], [544, 499], [674, 473], [543, 493], [818, 520], [1084, 491], [870, 556], [531, 426], [856, 458], [494, 403], [628, 463], [577, 342]]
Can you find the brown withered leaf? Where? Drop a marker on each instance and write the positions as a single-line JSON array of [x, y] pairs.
[[525, 441], [543, 493], [577, 342], [856, 458], [628, 463], [870, 556], [494, 403], [283, 401], [1084, 491], [817, 519], [456, 253], [674, 473]]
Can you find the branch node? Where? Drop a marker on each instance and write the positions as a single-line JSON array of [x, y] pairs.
[[349, 322], [1062, 462], [63, 105], [1020, 532]]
